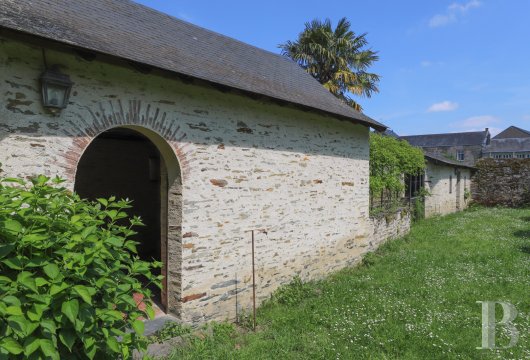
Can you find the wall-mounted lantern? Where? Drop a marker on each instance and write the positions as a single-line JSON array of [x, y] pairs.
[[56, 88]]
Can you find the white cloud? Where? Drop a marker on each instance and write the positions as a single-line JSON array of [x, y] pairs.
[[442, 19], [453, 13], [493, 130], [443, 106], [478, 123], [464, 7], [482, 120]]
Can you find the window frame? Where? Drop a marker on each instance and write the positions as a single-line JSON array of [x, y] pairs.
[[460, 155]]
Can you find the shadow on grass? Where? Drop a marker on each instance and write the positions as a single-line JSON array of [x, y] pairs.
[[525, 249], [524, 234], [525, 218]]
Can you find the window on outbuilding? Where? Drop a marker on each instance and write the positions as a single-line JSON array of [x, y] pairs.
[[450, 184], [503, 156], [460, 155]]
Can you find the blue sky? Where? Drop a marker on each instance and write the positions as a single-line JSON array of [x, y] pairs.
[[446, 66]]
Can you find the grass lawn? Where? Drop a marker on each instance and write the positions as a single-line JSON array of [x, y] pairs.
[[415, 298]]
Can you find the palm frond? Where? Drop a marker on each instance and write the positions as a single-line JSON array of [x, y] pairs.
[[337, 58]]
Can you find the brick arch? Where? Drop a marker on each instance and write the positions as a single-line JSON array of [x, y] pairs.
[[94, 120], [163, 132]]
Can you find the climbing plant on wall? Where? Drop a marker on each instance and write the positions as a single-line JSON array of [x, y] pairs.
[[390, 160]]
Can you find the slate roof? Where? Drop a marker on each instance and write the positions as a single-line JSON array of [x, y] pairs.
[[450, 139], [137, 33], [437, 159], [512, 132], [391, 133], [508, 145]]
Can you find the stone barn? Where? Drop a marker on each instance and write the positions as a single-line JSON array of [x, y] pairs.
[[447, 182], [209, 136]]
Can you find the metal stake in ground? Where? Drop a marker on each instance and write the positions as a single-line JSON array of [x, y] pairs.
[[237, 310], [253, 282], [254, 277]]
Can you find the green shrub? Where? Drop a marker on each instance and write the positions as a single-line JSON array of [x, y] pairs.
[[390, 159], [419, 208], [68, 270]]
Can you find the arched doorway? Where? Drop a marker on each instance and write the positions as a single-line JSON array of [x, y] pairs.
[[136, 163]]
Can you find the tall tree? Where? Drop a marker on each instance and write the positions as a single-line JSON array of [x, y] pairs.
[[337, 58]]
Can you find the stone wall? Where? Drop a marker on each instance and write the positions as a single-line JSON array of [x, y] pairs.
[[502, 182], [388, 227], [234, 164], [446, 191]]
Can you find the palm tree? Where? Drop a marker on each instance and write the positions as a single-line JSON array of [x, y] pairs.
[[335, 58]]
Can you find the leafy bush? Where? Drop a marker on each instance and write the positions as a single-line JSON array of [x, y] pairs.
[[390, 159], [419, 208], [68, 270]]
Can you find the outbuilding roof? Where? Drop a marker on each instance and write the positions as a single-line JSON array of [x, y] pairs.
[[512, 132], [449, 139], [131, 31], [437, 159], [508, 145]]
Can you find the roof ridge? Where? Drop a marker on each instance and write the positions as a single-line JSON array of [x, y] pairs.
[[521, 129], [511, 127], [453, 133]]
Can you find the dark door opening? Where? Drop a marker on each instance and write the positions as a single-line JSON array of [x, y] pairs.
[[122, 162]]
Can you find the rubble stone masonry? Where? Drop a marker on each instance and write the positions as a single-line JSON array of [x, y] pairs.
[[243, 164], [502, 182]]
